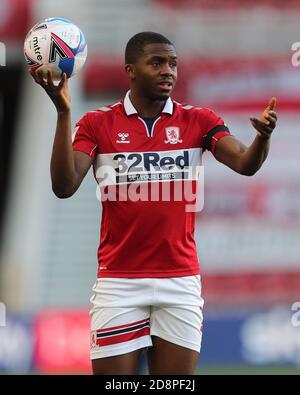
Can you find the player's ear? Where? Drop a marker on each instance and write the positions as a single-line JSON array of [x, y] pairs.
[[130, 71]]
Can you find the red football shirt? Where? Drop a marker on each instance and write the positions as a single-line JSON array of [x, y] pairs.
[[146, 229]]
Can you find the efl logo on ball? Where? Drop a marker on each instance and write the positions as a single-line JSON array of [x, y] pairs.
[[56, 44]]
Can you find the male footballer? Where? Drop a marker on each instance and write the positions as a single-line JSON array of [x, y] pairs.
[[148, 292]]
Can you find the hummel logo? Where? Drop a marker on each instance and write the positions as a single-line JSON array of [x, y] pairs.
[[123, 137]]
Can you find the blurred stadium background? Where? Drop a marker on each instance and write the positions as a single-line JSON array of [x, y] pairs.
[[234, 55]]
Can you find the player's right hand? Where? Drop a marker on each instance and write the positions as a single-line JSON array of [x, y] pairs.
[[59, 94], [267, 122]]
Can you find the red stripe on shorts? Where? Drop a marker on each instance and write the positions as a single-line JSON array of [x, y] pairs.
[[122, 326], [107, 341]]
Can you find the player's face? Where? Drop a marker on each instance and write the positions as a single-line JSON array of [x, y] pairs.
[[155, 72]]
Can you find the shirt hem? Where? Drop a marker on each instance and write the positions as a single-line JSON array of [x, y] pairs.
[[118, 274]]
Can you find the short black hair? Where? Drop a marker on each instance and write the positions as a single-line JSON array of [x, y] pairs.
[[136, 44]]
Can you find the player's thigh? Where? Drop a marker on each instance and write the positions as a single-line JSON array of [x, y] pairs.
[[166, 358], [120, 364], [118, 334], [176, 333]]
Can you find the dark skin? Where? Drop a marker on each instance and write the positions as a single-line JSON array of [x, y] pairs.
[[248, 160], [152, 79]]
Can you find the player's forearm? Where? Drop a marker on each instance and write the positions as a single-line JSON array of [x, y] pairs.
[[255, 155], [63, 174]]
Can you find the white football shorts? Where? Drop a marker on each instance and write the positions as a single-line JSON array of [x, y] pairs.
[[126, 312]]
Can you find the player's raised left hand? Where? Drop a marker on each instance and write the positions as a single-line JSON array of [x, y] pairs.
[[267, 122]]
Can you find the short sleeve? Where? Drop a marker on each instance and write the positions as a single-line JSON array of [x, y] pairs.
[[215, 130], [83, 138]]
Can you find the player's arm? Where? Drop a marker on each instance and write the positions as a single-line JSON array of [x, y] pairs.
[[248, 160], [68, 167]]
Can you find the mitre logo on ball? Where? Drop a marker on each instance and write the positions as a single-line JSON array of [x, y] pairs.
[[55, 44]]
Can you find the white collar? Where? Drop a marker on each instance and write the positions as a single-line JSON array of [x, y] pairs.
[[129, 108]]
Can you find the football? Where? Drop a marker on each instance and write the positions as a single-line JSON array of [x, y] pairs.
[[56, 44]]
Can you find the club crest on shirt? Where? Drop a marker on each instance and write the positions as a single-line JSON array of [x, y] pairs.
[[172, 134]]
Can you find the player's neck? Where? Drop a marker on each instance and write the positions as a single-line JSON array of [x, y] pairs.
[[146, 107]]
